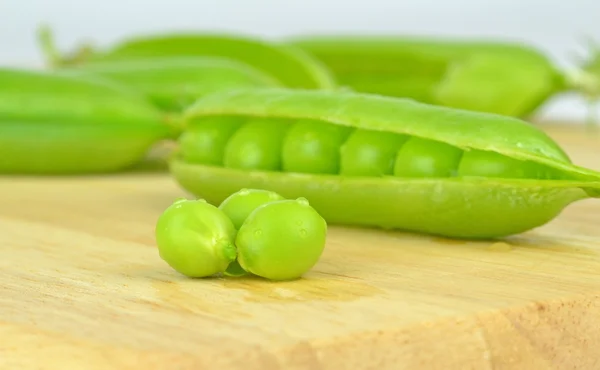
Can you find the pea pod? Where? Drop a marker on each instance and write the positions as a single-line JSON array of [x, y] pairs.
[[503, 77], [172, 83], [289, 65], [508, 176], [51, 124]]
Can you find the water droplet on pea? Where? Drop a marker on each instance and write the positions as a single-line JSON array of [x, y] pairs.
[[303, 232], [257, 233], [244, 191], [302, 201]]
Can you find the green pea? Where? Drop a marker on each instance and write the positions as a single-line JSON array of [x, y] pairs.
[[240, 204], [490, 164], [370, 153], [427, 158], [313, 147], [257, 145], [237, 207], [281, 240], [205, 140], [195, 238]]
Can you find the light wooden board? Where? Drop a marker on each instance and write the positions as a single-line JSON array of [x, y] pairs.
[[82, 287]]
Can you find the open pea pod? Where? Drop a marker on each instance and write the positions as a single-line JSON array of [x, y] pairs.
[[379, 161], [172, 83], [57, 124], [289, 65]]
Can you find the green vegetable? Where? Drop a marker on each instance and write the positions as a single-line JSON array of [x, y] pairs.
[[312, 147], [289, 65], [281, 240], [508, 78], [206, 143], [278, 239], [256, 144], [172, 83], [195, 238], [56, 124], [240, 204], [457, 173]]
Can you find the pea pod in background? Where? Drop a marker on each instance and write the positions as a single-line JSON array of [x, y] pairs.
[[377, 161], [58, 124], [173, 83], [503, 77], [287, 64]]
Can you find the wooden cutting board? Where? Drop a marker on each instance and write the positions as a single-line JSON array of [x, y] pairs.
[[82, 287]]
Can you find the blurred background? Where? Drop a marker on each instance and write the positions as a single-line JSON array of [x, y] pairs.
[[558, 28]]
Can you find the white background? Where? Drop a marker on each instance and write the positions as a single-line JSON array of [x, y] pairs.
[[557, 27]]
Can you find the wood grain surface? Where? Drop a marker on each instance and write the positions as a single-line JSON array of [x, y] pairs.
[[82, 287]]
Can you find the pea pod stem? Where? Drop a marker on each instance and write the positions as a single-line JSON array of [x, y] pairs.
[[53, 58], [588, 85]]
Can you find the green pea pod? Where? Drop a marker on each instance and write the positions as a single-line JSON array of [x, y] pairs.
[[287, 64], [508, 78], [172, 83], [451, 172], [51, 124]]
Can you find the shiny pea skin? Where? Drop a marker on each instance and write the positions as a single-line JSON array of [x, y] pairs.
[[240, 204], [370, 153], [427, 158], [257, 145], [312, 146], [205, 139], [238, 207], [491, 164], [281, 240], [195, 238]]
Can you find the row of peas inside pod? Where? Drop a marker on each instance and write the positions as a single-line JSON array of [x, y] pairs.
[[319, 147], [253, 231]]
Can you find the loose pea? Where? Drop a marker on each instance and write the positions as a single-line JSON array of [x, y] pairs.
[[281, 240], [312, 146], [427, 158], [195, 238], [237, 207], [204, 142], [241, 203], [370, 153], [491, 164], [257, 145]]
